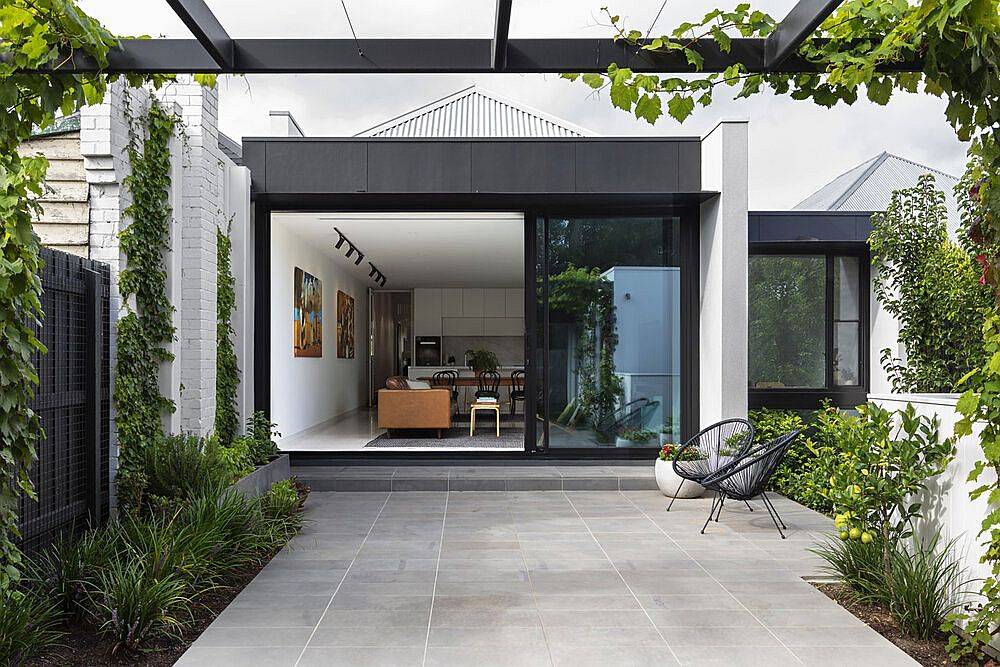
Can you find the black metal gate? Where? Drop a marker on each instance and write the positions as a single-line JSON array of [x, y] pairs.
[[72, 400]]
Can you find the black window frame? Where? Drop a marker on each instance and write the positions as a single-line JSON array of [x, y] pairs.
[[845, 396]]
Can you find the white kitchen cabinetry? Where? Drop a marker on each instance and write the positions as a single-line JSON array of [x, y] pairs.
[[495, 302], [427, 312], [503, 326], [473, 302], [462, 326], [451, 302], [514, 303]]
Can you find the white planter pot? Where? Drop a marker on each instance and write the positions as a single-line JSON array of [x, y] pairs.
[[623, 442], [668, 481]]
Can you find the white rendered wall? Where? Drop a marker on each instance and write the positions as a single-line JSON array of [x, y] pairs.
[[723, 269], [237, 207], [306, 392]]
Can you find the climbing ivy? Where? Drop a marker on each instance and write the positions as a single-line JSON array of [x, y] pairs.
[[147, 325], [33, 34], [227, 372]]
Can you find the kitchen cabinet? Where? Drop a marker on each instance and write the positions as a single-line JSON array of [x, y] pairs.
[[427, 312], [462, 326], [503, 326], [451, 302], [514, 302], [473, 301], [495, 302]]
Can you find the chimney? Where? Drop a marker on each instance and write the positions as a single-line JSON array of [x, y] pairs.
[[283, 125]]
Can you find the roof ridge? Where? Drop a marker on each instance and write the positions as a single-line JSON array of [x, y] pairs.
[[922, 166], [876, 162]]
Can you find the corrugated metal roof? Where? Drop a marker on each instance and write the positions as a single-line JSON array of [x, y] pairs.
[[475, 112], [61, 125], [869, 186], [231, 148]]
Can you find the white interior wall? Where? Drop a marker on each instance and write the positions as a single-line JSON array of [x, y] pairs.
[[306, 392]]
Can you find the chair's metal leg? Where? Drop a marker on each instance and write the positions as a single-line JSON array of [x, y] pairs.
[[721, 503], [773, 509], [747, 503], [715, 501], [675, 495], [771, 514]]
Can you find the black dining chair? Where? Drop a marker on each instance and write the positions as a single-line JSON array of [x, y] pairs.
[[516, 390], [489, 385], [747, 477], [447, 380], [714, 447]]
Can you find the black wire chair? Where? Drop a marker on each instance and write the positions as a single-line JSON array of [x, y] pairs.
[[716, 446], [516, 390], [489, 385], [448, 380], [747, 477]]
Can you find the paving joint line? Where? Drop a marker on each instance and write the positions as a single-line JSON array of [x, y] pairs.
[[534, 594], [622, 577], [437, 570], [342, 580], [712, 577]]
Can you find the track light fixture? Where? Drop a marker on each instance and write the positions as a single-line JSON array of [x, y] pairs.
[[358, 256]]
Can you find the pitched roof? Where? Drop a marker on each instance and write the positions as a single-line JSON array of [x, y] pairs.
[[868, 187], [231, 148], [475, 112], [61, 125]]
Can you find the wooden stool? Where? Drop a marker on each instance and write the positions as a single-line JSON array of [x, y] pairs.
[[495, 407]]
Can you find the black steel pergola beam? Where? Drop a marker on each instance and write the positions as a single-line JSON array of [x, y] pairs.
[[206, 28], [801, 21], [413, 56], [501, 33]]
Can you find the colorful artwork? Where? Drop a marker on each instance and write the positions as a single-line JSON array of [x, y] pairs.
[[307, 328], [345, 325]]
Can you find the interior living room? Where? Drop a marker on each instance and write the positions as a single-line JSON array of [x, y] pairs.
[[397, 331]]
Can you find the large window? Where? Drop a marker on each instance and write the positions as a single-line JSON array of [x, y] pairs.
[[609, 293], [806, 317]]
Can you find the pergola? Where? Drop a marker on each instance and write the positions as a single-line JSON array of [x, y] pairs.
[[214, 51]]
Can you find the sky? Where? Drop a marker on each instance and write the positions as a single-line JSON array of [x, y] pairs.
[[795, 147]]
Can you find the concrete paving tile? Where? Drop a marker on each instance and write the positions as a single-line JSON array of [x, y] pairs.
[[718, 636], [691, 602], [373, 636], [812, 637], [498, 638], [511, 656], [500, 618], [359, 618], [621, 656], [728, 656], [595, 618], [598, 636], [208, 656], [267, 618], [854, 656], [704, 618], [246, 637], [587, 602], [362, 657], [360, 601]]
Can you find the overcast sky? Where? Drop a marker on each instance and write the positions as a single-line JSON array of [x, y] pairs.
[[795, 147]]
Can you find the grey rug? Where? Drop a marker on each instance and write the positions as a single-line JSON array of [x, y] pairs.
[[457, 436]]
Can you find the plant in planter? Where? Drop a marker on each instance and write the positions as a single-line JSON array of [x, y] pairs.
[[635, 437], [482, 360], [668, 480]]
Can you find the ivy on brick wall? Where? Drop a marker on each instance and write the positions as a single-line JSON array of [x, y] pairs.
[[227, 372], [147, 326]]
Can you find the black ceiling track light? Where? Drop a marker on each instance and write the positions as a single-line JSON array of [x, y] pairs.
[[359, 257]]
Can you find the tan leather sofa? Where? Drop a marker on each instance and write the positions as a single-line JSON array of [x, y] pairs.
[[404, 408]]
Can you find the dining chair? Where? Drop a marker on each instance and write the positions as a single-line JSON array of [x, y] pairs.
[[516, 389]]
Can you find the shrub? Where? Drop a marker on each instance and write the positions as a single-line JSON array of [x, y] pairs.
[[669, 451], [857, 564], [279, 509], [803, 473], [262, 433], [238, 458], [29, 624], [60, 570], [130, 606], [181, 467], [638, 435]]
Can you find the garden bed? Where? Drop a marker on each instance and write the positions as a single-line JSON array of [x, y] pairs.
[[928, 652]]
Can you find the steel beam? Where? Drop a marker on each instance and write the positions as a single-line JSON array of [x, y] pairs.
[[501, 32], [206, 28], [413, 56], [801, 21]]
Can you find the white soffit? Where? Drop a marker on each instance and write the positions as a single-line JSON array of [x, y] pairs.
[[421, 249], [476, 112]]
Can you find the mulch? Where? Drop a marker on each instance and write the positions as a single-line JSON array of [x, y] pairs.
[[928, 652]]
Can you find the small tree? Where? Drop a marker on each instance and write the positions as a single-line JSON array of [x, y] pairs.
[[932, 287]]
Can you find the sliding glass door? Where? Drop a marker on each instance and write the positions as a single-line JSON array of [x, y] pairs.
[[608, 331]]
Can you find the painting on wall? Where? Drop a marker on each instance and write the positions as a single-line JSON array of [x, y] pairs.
[[307, 328], [345, 325]]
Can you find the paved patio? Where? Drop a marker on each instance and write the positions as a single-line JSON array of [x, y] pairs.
[[539, 578]]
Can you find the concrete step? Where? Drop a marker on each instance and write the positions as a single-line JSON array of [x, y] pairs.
[[614, 477]]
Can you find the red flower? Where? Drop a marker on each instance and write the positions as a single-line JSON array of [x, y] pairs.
[[983, 262]]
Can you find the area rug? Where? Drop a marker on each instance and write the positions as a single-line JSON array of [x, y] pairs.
[[457, 437]]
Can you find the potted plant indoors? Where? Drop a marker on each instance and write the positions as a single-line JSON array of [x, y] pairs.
[[668, 480], [634, 437], [481, 360]]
